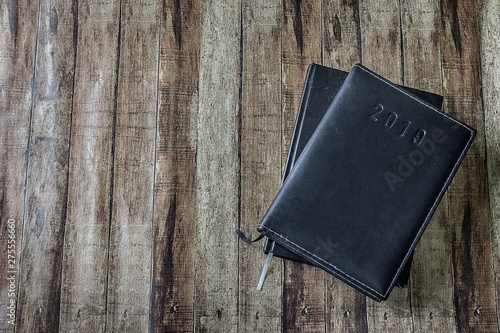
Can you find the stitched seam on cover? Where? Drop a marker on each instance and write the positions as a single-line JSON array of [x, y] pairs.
[[448, 180], [325, 262]]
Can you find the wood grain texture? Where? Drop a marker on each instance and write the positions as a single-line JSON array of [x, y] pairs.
[[381, 38], [216, 261], [83, 293], [474, 289], [130, 241], [47, 175], [341, 34], [345, 307], [136, 136], [489, 32], [175, 174], [260, 161], [381, 52], [303, 285], [18, 26], [432, 278]]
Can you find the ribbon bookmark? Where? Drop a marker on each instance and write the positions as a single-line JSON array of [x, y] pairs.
[[243, 238], [266, 266], [268, 260]]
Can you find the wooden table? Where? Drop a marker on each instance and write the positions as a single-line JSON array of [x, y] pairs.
[[136, 137]]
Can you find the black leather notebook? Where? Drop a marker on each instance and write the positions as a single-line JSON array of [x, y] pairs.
[[321, 86], [367, 182]]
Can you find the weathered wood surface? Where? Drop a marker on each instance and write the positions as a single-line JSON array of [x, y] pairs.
[[260, 158], [130, 234], [83, 290], [18, 32], [47, 168], [135, 136], [470, 218], [489, 30], [217, 169], [175, 175]]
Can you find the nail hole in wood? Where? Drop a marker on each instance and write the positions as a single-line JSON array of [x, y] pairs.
[[304, 311], [477, 312]]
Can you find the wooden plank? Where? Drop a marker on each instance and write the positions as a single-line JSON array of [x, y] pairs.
[[421, 45], [432, 277], [381, 39], [217, 172], [85, 259], [489, 33], [381, 52], [175, 175], [129, 277], [18, 27], [474, 290], [345, 307], [303, 285], [47, 176], [260, 311], [341, 34]]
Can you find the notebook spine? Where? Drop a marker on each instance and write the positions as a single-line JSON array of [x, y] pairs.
[[299, 121]]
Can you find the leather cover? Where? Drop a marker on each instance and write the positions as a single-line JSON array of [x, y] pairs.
[[321, 86], [367, 182]]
